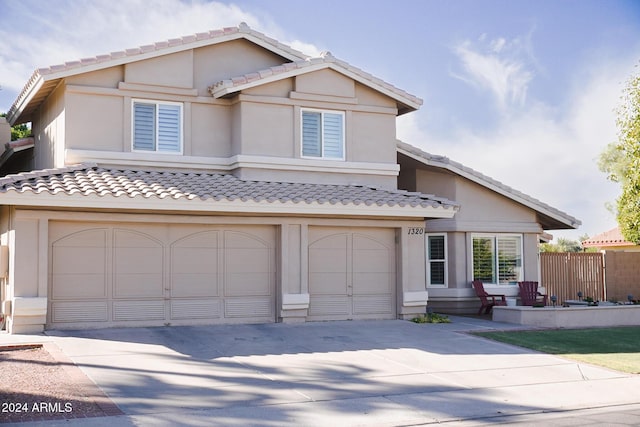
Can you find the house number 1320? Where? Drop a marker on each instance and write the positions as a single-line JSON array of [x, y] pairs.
[[416, 231]]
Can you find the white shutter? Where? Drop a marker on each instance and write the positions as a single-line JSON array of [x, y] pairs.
[[144, 126], [169, 128], [332, 135], [311, 134], [509, 259]]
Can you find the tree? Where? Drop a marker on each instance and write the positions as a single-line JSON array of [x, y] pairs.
[[18, 131], [621, 161], [563, 245]]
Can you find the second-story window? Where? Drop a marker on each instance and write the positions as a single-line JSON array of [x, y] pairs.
[[157, 126], [323, 134]]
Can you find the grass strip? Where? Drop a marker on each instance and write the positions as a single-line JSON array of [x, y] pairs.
[[613, 348]]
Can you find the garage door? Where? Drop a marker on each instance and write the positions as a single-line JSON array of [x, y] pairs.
[[160, 274], [351, 274]]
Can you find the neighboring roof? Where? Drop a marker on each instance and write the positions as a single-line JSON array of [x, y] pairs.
[[13, 147], [88, 185], [44, 80], [550, 217], [609, 238], [326, 60]]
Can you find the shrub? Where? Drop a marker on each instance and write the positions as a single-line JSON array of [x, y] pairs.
[[431, 318]]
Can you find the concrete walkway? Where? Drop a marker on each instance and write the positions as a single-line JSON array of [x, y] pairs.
[[373, 373]]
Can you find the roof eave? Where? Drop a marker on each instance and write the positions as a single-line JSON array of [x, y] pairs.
[[551, 220], [168, 204], [405, 104]]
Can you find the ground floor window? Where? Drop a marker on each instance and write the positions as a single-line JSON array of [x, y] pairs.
[[497, 258], [436, 259]]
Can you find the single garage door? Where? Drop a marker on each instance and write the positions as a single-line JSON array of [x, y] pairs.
[[156, 274], [352, 274]]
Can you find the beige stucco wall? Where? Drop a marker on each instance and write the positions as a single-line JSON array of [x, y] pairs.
[[48, 129], [92, 113]]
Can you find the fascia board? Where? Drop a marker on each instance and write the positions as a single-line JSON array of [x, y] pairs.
[[26, 99], [219, 206], [223, 91]]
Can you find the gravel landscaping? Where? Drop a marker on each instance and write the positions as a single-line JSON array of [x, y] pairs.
[[39, 382]]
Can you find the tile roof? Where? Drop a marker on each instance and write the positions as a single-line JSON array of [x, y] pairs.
[[557, 217], [326, 58], [91, 180], [609, 238]]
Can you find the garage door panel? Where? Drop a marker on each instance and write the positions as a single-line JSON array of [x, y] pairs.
[[372, 304], [327, 260], [194, 260], [329, 306], [79, 312], [328, 283], [194, 285], [91, 238], [245, 284], [376, 283], [248, 259], [375, 261], [254, 307], [78, 286], [138, 285], [138, 310], [196, 309], [79, 260]]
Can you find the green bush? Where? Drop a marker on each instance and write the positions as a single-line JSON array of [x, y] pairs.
[[431, 318]]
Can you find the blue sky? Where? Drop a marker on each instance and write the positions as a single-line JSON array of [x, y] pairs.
[[522, 91]]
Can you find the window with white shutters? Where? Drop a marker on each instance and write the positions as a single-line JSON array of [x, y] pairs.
[[436, 259], [157, 126], [323, 134], [497, 259]]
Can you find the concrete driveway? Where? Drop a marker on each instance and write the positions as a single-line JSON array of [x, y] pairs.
[[332, 373]]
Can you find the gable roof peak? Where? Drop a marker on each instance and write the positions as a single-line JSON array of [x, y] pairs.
[[21, 108]]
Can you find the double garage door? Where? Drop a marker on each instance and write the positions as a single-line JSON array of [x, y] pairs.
[[352, 273], [158, 274], [155, 274]]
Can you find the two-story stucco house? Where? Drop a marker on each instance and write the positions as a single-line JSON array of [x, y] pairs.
[[227, 178]]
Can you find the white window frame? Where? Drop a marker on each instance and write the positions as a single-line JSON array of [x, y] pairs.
[[322, 114], [494, 238], [445, 261], [157, 103]]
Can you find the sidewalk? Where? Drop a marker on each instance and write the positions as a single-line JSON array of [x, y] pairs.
[[376, 373]]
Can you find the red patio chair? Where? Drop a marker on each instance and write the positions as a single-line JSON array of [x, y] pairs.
[[529, 294], [488, 300]]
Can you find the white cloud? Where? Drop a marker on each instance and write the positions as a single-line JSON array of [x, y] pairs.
[[545, 154], [499, 66]]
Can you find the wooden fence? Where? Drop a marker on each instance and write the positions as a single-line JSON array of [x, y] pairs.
[[622, 275], [565, 274]]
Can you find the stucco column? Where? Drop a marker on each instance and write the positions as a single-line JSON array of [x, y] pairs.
[[294, 297], [412, 271], [28, 276]]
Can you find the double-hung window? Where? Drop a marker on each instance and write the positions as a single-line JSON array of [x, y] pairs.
[[323, 134], [497, 258], [436, 259], [157, 126]]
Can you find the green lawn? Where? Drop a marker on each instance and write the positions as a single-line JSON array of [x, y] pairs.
[[614, 348]]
